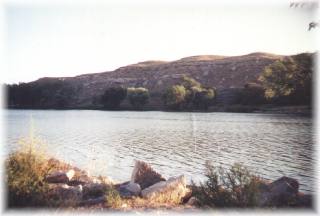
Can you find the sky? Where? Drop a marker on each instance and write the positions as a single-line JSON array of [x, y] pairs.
[[70, 38]]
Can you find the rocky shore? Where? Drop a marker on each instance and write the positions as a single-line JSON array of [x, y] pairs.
[[147, 189]]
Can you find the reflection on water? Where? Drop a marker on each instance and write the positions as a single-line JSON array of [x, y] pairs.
[[174, 143]]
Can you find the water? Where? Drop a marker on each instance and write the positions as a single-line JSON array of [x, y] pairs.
[[107, 143]]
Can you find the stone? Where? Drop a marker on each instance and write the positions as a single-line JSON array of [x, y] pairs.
[[192, 201], [129, 190], [67, 195], [144, 175], [285, 185], [172, 190], [281, 192], [60, 177], [93, 190]]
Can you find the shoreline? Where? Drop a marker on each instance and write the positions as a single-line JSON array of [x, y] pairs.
[[291, 110], [69, 187]]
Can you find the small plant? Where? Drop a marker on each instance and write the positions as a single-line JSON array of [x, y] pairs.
[[113, 199], [26, 169], [235, 187]]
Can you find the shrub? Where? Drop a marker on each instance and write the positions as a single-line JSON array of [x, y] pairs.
[[26, 170], [236, 187]]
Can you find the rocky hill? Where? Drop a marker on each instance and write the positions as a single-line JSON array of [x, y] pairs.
[[220, 72]]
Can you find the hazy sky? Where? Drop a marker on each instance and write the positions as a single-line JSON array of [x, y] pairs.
[[72, 39]]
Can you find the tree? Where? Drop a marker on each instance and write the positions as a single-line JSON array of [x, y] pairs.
[[190, 94], [197, 96], [174, 97], [138, 97], [290, 77], [202, 97], [113, 96]]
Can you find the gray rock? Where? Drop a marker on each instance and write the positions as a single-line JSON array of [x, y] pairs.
[[129, 190], [68, 195], [282, 192], [60, 177], [285, 185], [93, 190]]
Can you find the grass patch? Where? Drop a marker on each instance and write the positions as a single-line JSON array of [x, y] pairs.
[[25, 176], [113, 199], [235, 187]]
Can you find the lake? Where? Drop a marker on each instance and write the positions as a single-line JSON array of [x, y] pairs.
[[108, 142]]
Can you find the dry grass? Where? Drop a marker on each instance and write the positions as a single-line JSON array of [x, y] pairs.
[[26, 170]]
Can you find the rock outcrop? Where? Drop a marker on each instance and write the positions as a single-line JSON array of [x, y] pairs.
[[144, 175]]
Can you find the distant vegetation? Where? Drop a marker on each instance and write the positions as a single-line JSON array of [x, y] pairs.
[[289, 81], [190, 94], [113, 96], [138, 97], [285, 81], [50, 93]]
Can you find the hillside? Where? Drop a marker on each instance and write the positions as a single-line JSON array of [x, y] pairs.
[[222, 72]]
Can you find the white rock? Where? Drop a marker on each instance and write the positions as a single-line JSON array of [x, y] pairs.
[[173, 187], [70, 174]]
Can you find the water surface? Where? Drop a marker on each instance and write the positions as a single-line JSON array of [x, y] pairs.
[[174, 143]]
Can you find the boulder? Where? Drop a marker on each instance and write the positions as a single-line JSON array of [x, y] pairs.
[[281, 192], [65, 194], [93, 190], [144, 175], [172, 190], [285, 185], [60, 176], [130, 189]]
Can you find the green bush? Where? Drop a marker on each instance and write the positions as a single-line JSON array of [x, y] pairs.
[[235, 187], [174, 97], [189, 95]]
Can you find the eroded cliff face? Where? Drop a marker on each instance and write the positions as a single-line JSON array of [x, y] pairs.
[[220, 72]]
